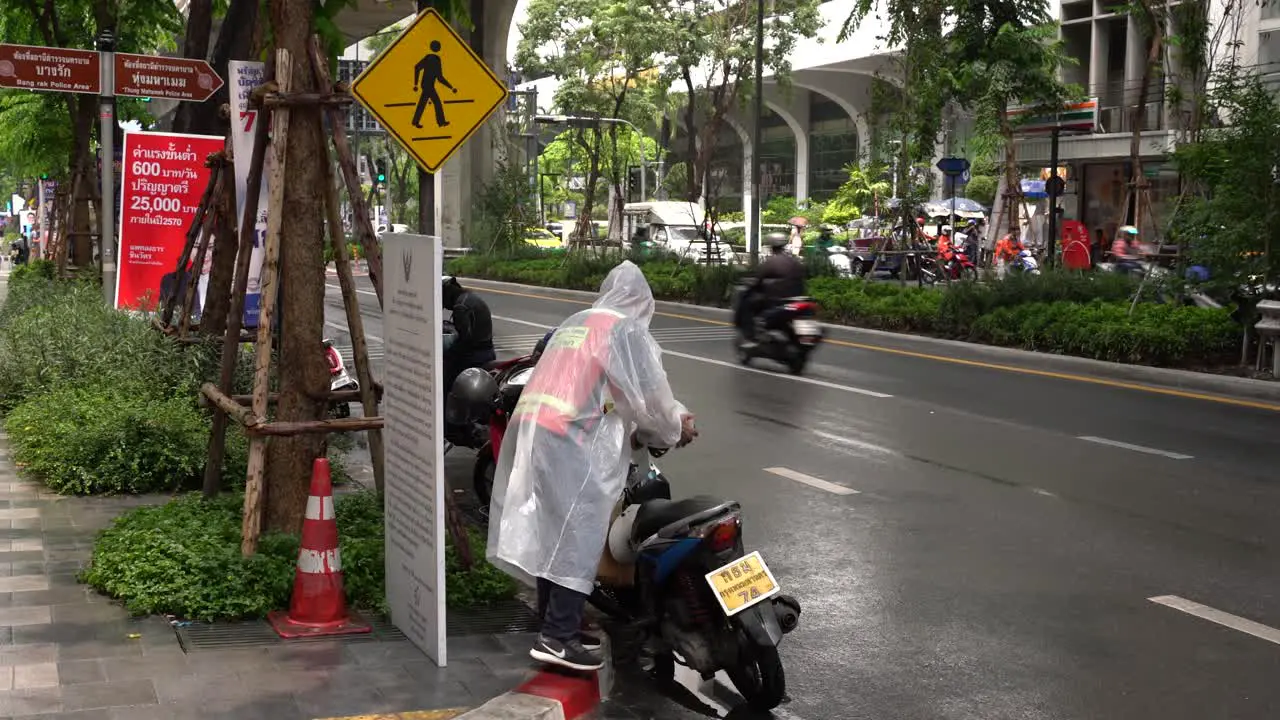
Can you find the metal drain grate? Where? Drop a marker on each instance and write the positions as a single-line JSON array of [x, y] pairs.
[[229, 636], [509, 616]]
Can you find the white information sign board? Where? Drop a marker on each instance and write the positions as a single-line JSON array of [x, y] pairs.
[[413, 405]]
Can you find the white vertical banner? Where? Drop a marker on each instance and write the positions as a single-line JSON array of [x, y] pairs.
[[245, 76], [413, 438]]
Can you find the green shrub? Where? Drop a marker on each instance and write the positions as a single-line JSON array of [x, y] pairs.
[[1061, 312], [68, 336], [104, 439], [183, 558], [1154, 334]]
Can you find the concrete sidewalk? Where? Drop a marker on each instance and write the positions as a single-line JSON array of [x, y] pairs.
[[67, 653]]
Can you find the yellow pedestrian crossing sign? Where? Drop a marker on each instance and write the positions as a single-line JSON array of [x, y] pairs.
[[429, 90]]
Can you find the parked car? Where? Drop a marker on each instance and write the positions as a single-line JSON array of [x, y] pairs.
[[395, 228], [541, 237]]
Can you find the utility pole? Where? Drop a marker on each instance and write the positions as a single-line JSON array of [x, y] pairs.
[[427, 181], [107, 171], [753, 244]]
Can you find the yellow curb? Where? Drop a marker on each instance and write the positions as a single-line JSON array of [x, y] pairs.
[[411, 715]]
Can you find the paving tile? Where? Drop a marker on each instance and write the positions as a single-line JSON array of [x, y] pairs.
[[28, 654], [108, 694], [23, 583], [78, 672], [37, 675], [52, 596], [160, 670], [101, 714], [88, 612], [31, 702], [98, 649], [27, 615], [11, 556]]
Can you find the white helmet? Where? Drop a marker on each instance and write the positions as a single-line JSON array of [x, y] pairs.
[[620, 546]]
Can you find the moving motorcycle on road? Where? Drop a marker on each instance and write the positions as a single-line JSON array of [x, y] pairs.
[[339, 379], [787, 333], [678, 574]]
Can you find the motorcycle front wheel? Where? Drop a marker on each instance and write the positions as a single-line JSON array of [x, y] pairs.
[[482, 477], [759, 676]]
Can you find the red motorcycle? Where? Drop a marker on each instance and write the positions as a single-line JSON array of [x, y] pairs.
[[960, 267], [488, 423]]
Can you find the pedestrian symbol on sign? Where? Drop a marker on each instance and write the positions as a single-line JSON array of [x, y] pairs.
[[430, 52], [428, 72]]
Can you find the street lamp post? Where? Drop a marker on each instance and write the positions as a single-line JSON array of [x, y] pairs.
[[758, 112], [582, 121]]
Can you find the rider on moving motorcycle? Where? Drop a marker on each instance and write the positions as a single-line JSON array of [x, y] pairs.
[[780, 276], [471, 343]]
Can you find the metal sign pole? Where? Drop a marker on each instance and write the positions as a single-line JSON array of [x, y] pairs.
[[106, 137]]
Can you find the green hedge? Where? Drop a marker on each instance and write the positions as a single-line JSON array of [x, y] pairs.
[[1069, 313], [96, 401], [183, 558]]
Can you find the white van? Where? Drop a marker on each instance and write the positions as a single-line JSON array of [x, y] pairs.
[[677, 227]]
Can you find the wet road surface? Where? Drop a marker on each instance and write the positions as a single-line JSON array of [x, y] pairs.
[[968, 542]]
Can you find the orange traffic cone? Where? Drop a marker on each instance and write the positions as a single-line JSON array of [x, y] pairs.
[[319, 605]]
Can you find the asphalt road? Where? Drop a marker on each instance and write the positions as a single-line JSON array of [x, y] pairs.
[[1006, 534]]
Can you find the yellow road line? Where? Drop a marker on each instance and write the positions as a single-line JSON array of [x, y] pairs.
[[1185, 394], [411, 715]]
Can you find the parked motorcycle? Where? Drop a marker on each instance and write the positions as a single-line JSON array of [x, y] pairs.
[[787, 334], [838, 256], [490, 420], [339, 379], [1026, 263], [686, 584]]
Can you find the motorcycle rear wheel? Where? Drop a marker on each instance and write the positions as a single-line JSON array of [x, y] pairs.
[[759, 676]]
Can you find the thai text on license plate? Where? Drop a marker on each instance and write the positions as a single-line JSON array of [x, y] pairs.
[[806, 327], [742, 583]]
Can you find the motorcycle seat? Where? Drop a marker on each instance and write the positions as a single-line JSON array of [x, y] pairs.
[[657, 514], [493, 365]]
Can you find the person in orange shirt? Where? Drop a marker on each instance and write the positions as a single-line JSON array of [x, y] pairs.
[[1007, 249], [944, 244]]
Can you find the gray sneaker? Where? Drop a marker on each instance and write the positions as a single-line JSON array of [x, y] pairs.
[[571, 655]]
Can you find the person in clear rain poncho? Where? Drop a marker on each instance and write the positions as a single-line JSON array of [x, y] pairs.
[[564, 462]]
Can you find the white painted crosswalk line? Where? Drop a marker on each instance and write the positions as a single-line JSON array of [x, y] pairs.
[[811, 481], [1226, 619]]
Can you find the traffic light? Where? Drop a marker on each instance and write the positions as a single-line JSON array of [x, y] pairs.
[[381, 166]]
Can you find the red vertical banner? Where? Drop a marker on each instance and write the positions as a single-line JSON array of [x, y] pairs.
[[164, 177]]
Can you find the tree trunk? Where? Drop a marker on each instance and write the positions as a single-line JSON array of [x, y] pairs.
[[235, 42], [196, 46], [80, 247], [302, 368], [213, 316], [693, 180]]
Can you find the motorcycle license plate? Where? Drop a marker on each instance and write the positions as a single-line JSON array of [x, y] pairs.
[[742, 583], [807, 327]]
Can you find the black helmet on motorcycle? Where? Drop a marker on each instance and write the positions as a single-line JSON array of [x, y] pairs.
[[776, 240], [471, 398]]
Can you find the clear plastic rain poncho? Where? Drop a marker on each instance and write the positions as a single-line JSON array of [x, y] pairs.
[[564, 459]]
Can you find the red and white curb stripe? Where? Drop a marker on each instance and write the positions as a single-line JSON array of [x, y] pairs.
[[551, 695]]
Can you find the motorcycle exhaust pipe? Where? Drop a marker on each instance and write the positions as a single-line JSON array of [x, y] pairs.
[[787, 610]]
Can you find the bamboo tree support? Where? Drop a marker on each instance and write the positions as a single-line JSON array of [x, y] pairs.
[[351, 301], [216, 182], [198, 224], [350, 176], [235, 313], [252, 526]]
